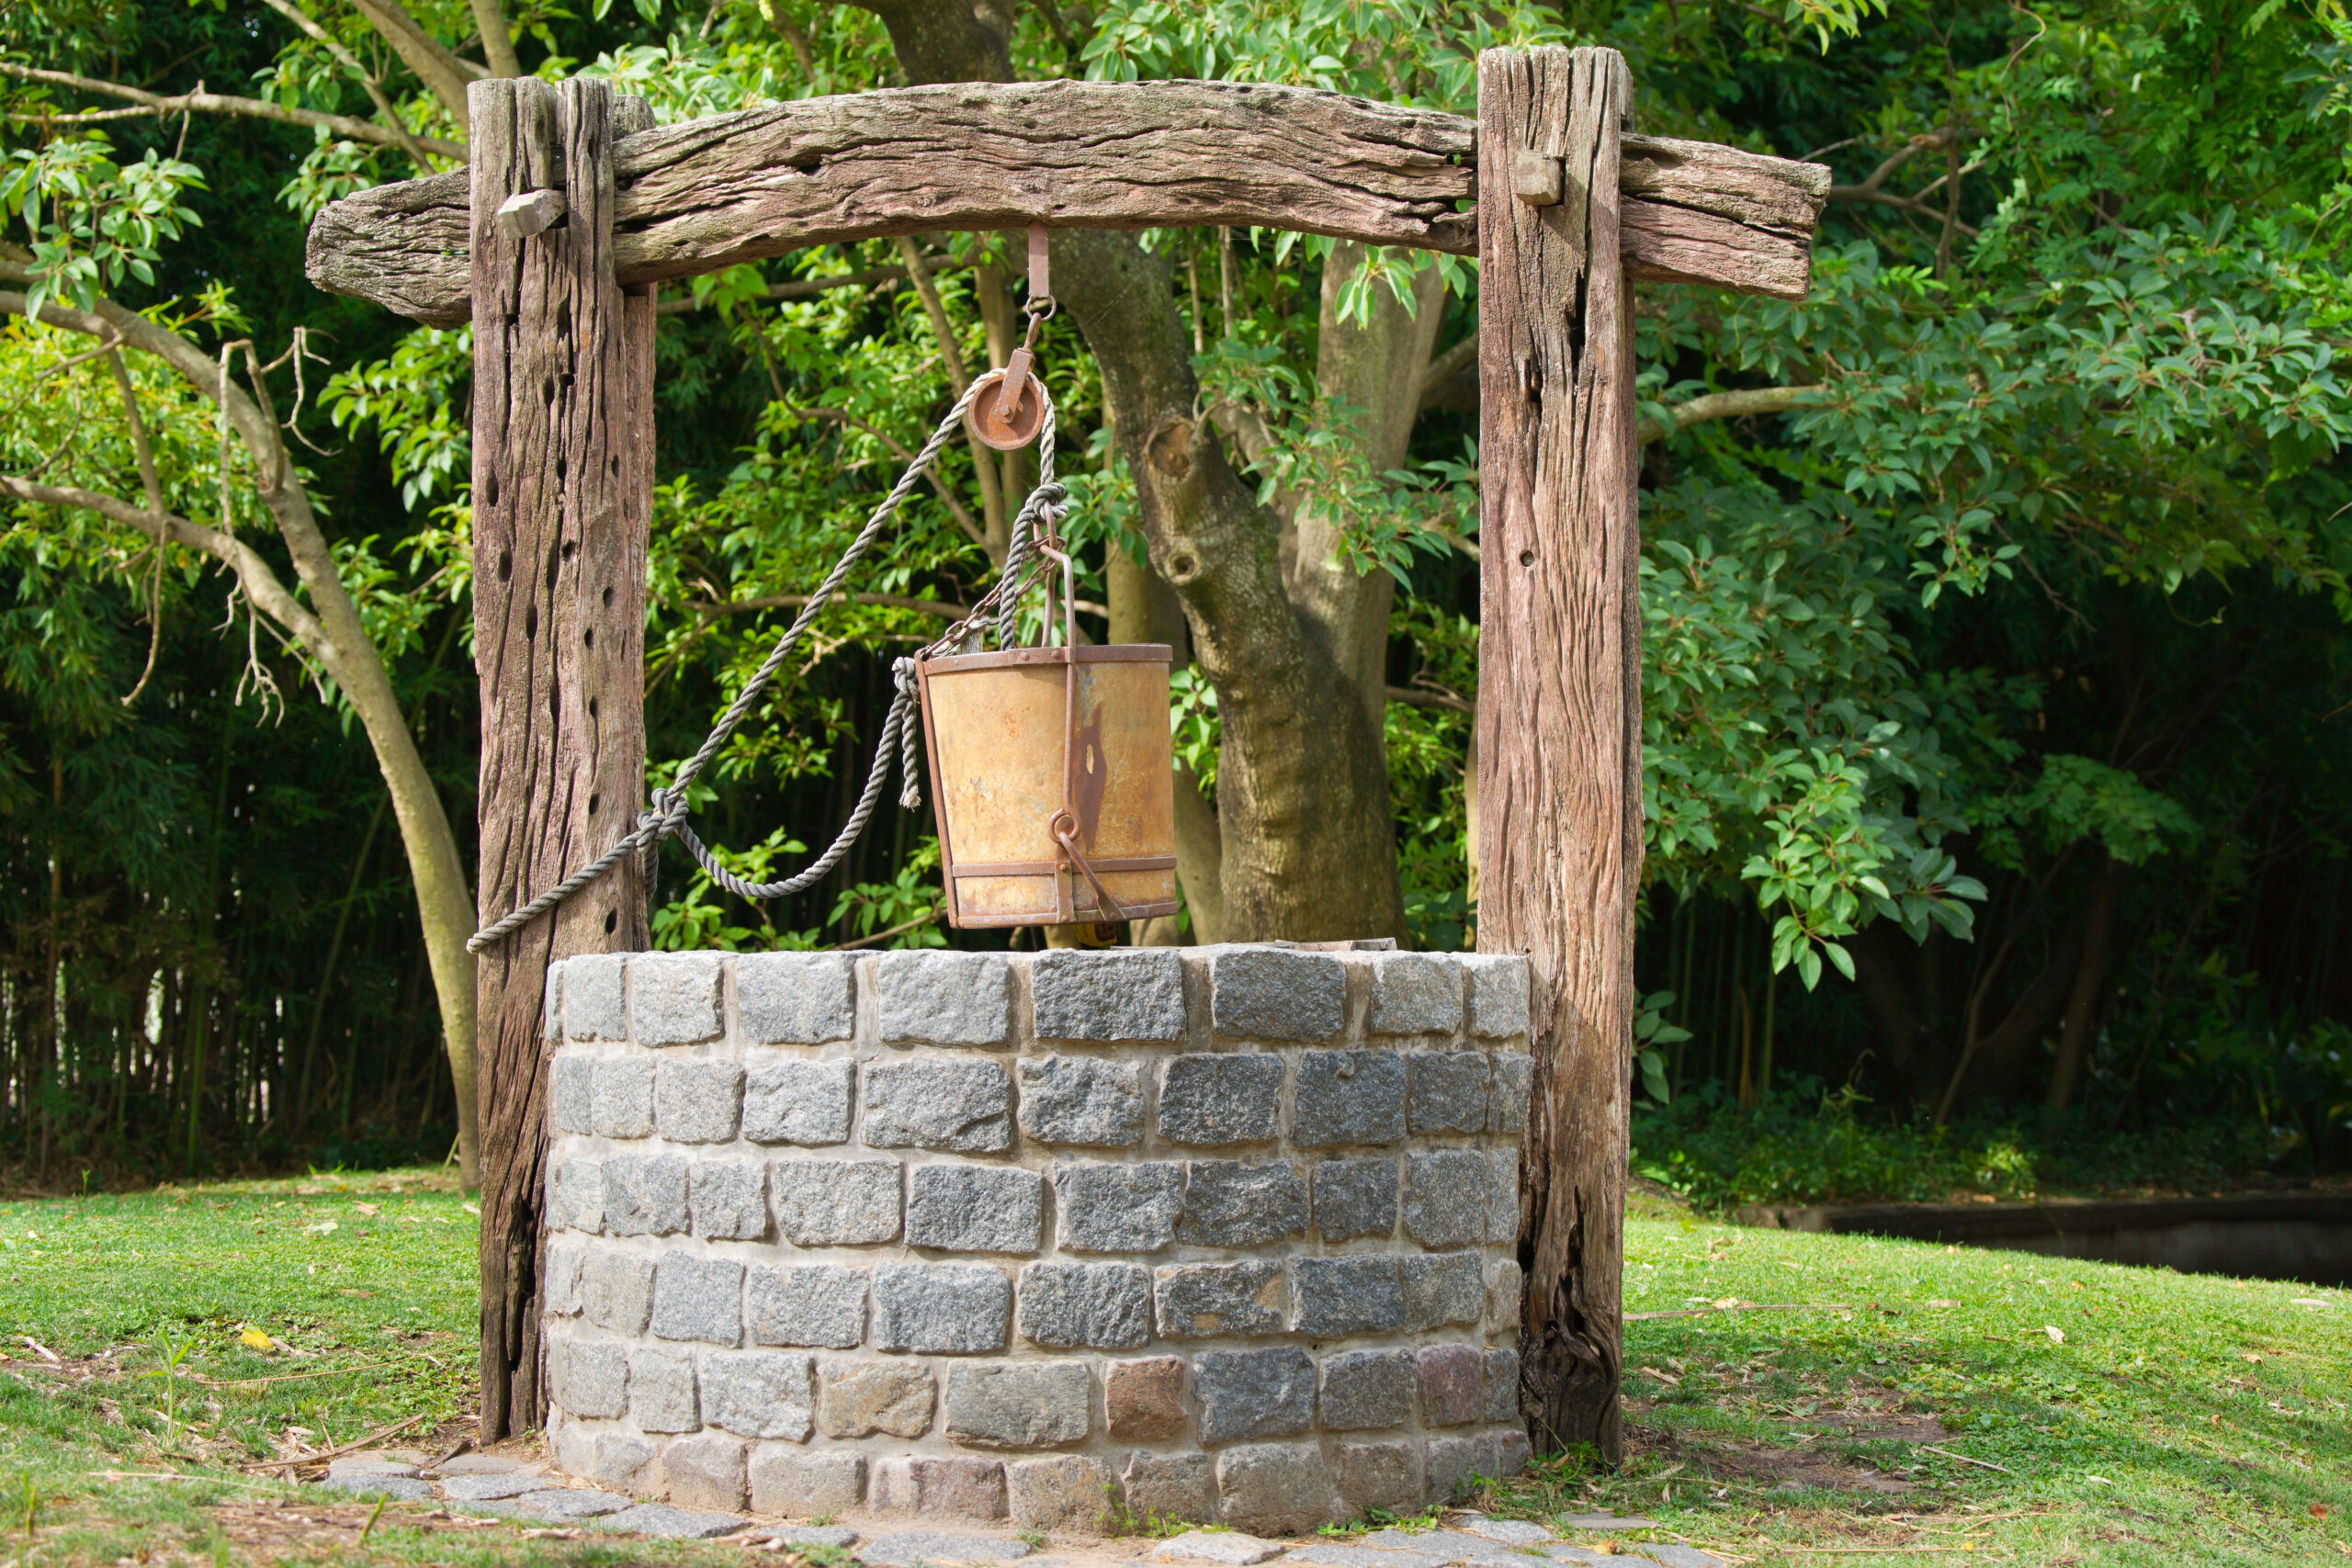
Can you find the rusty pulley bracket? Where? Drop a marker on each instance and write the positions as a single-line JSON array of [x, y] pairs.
[[1008, 406]]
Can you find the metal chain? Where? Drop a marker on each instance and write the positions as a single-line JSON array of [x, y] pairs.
[[667, 812]]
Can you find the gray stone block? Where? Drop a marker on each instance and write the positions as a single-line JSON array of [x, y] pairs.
[[1440, 1288], [920, 1548], [621, 1461], [1502, 1385], [661, 1390], [1498, 995], [757, 1393], [570, 1094], [1356, 1196], [1366, 1390], [806, 1485], [705, 1472], [941, 1309], [1414, 993], [1253, 1393], [645, 1195], [1445, 1197], [1273, 993], [1512, 1454], [947, 998], [1117, 1208], [1514, 1081], [1502, 1194], [1379, 1475], [1445, 1091], [698, 1102], [696, 1297], [562, 1294], [1334, 1297], [798, 1102], [728, 1198], [965, 1106], [795, 998], [673, 1524], [1451, 1378], [973, 1488], [1452, 1461], [576, 1193], [1105, 1305], [617, 1290], [974, 1208], [835, 1203], [674, 997], [1232, 1097], [1506, 1291], [1275, 1489], [1348, 1096], [1238, 1204], [818, 1305], [489, 1488], [1174, 1487], [1018, 1405], [568, 1504], [592, 1004], [594, 1380], [857, 1399], [1081, 1099], [551, 1003], [1108, 996], [1066, 1492], [620, 1098], [1199, 1301]]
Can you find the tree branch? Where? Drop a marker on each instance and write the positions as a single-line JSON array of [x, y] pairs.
[[1444, 367], [1414, 696], [964, 519], [1728, 405], [351, 62], [444, 75], [219, 102], [995, 541]]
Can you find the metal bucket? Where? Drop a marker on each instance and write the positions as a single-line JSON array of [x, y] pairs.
[[1053, 782]]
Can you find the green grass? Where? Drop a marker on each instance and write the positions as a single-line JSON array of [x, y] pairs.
[[2181, 1420]]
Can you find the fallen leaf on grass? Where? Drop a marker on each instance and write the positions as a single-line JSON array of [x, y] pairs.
[[2057, 1335], [261, 1344], [368, 1209], [324, 1228]]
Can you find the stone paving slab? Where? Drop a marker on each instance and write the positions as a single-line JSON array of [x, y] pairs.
[[482, 1464], [1510, 1532], [1230, 1549], [402, 1488], [1449, 1546], [367, 1464], [1606, 1522], [1675, 1556], [677, 1524], [570, 1503], [906, 1547], [487, 1486], [812, 1535], [1355, 1554]]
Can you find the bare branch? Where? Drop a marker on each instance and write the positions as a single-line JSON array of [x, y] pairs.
[[1873, 189], [153, 485], [964, 519], [220, 103], [1729, 405], [497, 45], [1415, 696], [1441, 369], [444, 75], [351, 62]]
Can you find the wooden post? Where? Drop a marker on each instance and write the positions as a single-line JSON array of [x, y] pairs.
[[1559, 689], [562, 494]]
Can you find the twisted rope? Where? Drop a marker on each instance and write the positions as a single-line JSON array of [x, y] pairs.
[[666, 814]]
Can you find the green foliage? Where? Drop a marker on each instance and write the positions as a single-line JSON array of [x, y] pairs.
[[94, 224]]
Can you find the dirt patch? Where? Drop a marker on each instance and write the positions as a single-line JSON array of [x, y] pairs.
[[1760, 1463]]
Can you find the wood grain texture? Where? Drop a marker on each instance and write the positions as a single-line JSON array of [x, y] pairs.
[[709, 193], [562, 483], [1558, 721]]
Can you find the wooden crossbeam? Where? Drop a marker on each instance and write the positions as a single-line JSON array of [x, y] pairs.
[[710, 193]]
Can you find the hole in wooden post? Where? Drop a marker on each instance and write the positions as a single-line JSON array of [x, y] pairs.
[[593, 801], [592, 707], [562, 469], [1527, 558], [505, 565], [489, 489], [616, 468], [588, 636], [546, 388], [530, 621], [570, 548], [612, 921], [608, 595], [553, 565]]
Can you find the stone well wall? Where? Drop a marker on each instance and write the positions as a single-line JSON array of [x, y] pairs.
[[1219, 1234]]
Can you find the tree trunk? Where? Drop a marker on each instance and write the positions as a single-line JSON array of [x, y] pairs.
[[562, 496], [2083, 1003], [1559, 720], [1145, 609]]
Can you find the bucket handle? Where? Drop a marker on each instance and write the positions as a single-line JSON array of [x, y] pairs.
[[1062, 827]]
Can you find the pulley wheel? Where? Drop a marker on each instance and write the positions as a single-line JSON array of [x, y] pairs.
[[985, 415]]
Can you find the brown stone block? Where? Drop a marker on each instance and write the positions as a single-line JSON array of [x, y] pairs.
[[1450, 1394], [1144, 1399], [856, 1399], [1171, 1487], [1379, 1475], [968, 1488]]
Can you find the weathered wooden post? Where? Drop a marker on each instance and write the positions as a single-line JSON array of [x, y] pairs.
[[1559, 685], [562, 498]]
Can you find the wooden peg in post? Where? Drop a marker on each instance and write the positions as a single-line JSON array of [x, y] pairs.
[[533, 212]]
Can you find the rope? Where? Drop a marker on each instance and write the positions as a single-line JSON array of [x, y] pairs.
[[667, 812]]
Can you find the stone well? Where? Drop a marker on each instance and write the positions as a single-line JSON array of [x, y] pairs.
[[1217, 1234]]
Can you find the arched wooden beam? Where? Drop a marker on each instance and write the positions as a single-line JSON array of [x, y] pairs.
[[709, 193]]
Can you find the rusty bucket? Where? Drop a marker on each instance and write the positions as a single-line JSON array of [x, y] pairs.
[[1052, 779]]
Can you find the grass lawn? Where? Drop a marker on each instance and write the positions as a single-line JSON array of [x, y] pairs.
[[2115, 1415]]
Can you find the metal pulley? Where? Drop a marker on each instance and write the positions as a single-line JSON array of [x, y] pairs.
[[1052, 768]]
